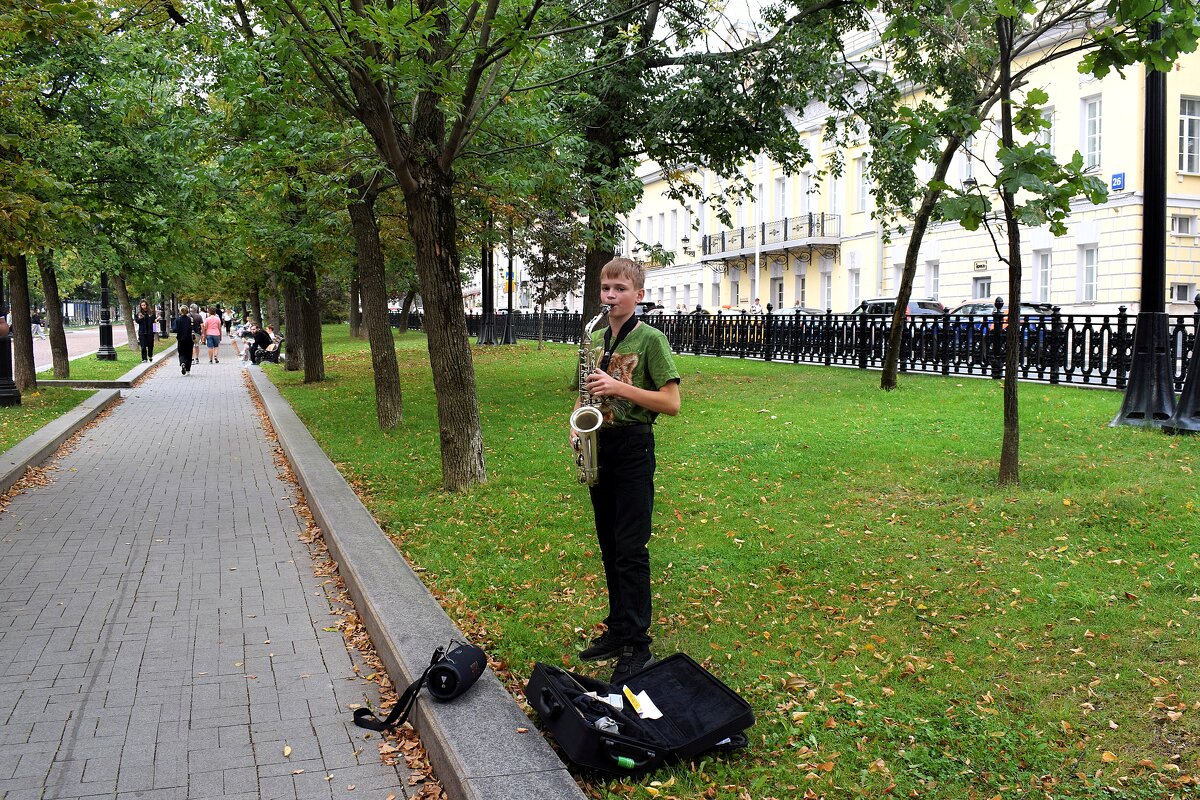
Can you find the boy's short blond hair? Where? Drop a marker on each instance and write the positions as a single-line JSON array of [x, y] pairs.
[[621, 267]]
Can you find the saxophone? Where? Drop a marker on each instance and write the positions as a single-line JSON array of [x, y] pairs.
[[587, 419]]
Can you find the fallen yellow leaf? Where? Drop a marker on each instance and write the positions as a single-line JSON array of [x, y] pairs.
[[287, 751], [1108, 756]]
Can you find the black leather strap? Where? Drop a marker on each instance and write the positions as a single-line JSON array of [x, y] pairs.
[[366, 718]]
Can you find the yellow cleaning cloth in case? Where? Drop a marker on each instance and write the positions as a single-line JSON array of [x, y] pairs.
[[642, 704]]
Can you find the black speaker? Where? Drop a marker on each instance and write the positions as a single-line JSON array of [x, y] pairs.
[[455, 672]]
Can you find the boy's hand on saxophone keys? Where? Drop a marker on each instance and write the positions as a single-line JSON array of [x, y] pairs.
[[601, 384]]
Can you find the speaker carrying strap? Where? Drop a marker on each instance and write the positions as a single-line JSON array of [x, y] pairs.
[[366, 718]]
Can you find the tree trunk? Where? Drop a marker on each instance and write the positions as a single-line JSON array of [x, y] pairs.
[[406, 306], [433, 226], [389, 407], [355, 301], [310, 324], [256, 309], [22, 332], [54, 317], [603, 230], [891, 356], [122, 288], [274, 302], [1011, 444], [294, 352]]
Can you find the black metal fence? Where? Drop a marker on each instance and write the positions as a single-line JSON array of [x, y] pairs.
[[1076, 349]]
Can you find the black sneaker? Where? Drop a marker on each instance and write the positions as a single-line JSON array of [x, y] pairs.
[[603, 646], [633, 660]]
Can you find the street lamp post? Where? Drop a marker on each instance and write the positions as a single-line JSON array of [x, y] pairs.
[[1150, 394], [510, 333], [10, 395], [106, 351]]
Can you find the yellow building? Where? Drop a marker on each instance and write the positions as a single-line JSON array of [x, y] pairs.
[[811, 241]]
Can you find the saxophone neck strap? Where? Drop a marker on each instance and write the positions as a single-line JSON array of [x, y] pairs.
[[611, 345]]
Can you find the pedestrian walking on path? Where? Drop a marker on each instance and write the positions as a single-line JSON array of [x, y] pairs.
[[184, 337], [145, 329], [163, 633], [197, 327], [212, 335]]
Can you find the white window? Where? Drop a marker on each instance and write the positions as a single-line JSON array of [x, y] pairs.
[[733, 292], [780, 198], [1041, 276], [686, 302], [826, 290], [1091, 132], [855, 284], [801, 289], [835, 194], [674, 238], [966, 167], [981, 287], [933, 276], [662, 228], [777, 292], [1189, 134], [716, 295], [1182, 292], [805, 193], [897, 277], [1045, 136], [1089, 264], [1183, 225], [864, 185]]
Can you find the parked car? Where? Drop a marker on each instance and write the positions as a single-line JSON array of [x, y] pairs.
[[887, 305], [646, 307], [1034, 315]]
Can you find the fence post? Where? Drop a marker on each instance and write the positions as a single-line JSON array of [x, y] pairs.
[[998, 338], [827, 337], [1122, 334], [718, 332], [767, 337], [1056, 343], [944, 342], [861, 341]]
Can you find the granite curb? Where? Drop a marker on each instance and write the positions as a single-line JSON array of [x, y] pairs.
[[126, 381], [37, 447], [475, 743]]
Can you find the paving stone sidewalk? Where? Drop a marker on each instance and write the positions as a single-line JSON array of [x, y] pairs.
[[161, 629]]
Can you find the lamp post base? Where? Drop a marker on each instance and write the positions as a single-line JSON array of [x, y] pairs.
[[487, 329], [1186, 418], [510, 334], [10, 395], [1150, 394]]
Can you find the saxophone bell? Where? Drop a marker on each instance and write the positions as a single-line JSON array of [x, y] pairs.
[[587, 418]]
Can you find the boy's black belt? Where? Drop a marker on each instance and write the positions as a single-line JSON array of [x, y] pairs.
[[644, 427]]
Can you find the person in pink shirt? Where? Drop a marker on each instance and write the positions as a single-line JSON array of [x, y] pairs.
[[212, 334]]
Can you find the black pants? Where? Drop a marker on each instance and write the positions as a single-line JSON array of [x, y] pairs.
[[146, 341], [185, 354], [623, 501]]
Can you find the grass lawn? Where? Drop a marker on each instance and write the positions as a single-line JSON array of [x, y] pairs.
[[90, 368], [841, 557], [37, 409]]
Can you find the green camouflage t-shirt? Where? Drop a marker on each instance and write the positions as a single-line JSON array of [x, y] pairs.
[[643, 360]]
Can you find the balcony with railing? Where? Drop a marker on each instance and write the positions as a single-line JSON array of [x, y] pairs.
[[805, 233]]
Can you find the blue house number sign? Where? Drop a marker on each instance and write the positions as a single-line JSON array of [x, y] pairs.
[[1118, 182]]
